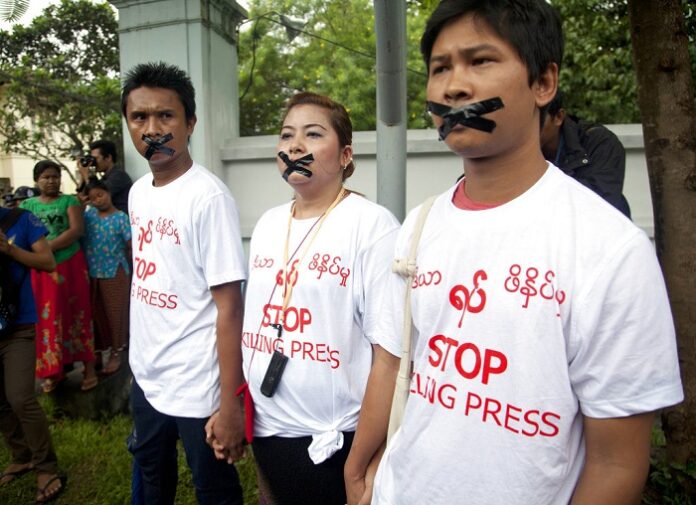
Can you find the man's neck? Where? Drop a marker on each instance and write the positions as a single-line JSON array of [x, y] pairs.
[[163, 175], [503, 178]]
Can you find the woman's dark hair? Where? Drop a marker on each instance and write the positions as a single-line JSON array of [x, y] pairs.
[[160, 75], [531, 27], [340, 120], [94, 183], [44, 165]]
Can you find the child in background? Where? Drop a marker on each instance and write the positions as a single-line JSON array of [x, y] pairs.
[[107, 243]]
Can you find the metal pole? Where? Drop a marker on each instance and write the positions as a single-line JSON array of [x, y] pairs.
[[390, 27]]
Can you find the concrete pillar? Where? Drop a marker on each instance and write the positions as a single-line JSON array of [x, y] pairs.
[[199, 36]]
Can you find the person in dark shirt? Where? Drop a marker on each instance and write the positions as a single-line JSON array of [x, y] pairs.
[[22, 420], [115, 178], [586, 151]]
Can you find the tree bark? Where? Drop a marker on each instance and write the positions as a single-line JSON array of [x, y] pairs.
[[666, 100]]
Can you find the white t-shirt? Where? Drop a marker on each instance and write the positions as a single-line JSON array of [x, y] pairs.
[[527, 316], [329, 322], [186, 239]]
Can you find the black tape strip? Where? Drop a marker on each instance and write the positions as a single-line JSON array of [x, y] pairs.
[[154, 145], [468, 115], [298, 165]]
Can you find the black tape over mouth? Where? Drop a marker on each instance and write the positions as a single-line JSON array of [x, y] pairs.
[[298, 165], [468, 115], [154, 145]]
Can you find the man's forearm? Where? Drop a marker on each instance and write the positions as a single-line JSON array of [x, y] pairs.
[[610, 485], [229, 329], [371, 433], [617, 459]]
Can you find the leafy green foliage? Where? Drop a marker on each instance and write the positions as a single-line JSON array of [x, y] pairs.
[[59, 75], [333, 55], [597, 74], [12, 10]]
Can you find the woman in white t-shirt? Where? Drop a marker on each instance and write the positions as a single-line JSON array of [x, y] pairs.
[[316, 274]]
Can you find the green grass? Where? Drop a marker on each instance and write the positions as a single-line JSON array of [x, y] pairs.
[[93, 455]]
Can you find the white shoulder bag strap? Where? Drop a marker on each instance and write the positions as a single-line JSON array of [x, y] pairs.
[[407, 269]]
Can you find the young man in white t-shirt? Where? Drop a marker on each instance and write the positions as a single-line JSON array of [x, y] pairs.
[[186, 303], [543, 340]]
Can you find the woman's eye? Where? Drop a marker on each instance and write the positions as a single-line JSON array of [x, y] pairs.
[[285, 136]]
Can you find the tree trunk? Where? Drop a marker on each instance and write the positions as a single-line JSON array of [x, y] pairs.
[[666, 99]]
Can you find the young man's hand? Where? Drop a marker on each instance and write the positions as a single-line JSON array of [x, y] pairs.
[[215, 435]]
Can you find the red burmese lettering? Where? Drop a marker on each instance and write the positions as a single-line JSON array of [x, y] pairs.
[[438, 356], [528, 419], [473, 401], [509, 416], [492, 407], [554, 428]]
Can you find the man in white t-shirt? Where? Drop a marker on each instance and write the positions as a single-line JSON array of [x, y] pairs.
[[542, 335], [186, 303]]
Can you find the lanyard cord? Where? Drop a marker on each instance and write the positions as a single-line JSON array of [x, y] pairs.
[[287, 260], [290, 282]]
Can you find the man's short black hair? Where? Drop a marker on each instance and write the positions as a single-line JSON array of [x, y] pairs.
[[532, 27], [106, 148], [161, 75]]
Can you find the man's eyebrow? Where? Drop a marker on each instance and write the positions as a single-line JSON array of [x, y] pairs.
[[466, 52]]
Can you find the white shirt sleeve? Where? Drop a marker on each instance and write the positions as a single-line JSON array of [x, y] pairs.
[[219, 241], [622, 351]]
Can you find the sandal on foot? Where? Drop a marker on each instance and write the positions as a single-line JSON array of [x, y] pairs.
[[7, 475], [45, 494], [89, 383], [49, 384], [113, 364]]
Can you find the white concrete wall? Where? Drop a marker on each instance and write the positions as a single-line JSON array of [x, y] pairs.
[[198, 37], [250, 171]]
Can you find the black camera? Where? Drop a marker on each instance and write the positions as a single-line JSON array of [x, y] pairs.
[[88, 161]]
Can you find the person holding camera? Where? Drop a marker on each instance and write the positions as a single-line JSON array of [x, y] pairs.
[[102, 160]]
